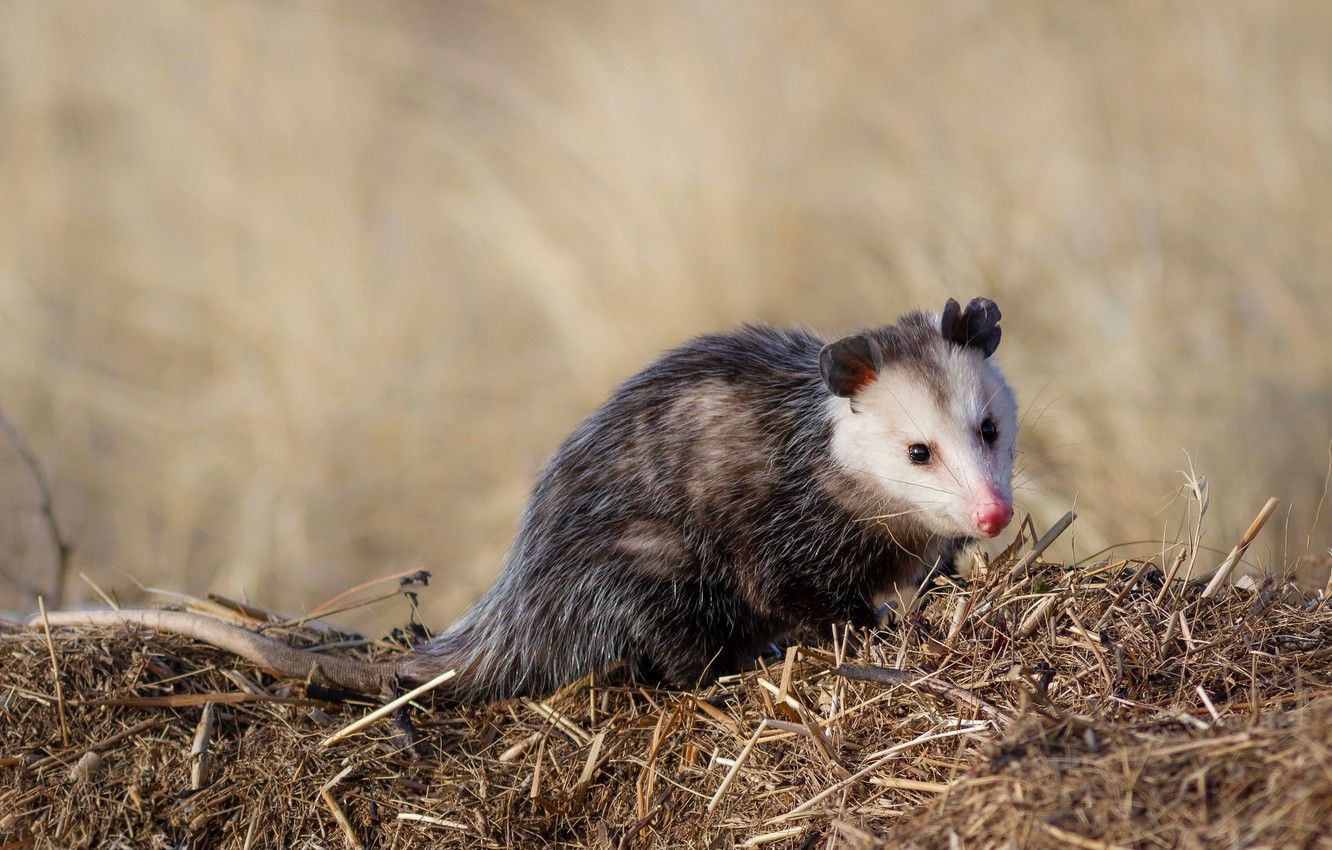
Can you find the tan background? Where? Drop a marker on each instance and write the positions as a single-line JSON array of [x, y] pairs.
[[293, 295]]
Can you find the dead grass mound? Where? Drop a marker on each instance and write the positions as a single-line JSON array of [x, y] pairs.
[[1094, 705], [1262, 784]]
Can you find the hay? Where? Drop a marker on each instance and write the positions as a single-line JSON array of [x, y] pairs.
[[1036, 705]]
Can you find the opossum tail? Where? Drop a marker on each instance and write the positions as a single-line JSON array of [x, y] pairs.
[[362, 677]]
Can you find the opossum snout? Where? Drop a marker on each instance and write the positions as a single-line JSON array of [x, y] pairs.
[[992, 516]]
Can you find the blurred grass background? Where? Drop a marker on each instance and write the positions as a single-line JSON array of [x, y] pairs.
[[297, 294]]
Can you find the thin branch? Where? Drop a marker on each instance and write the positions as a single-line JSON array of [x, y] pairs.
[[62, 548]]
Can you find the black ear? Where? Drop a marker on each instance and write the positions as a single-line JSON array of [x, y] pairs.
[[975, 327], [849, 364]]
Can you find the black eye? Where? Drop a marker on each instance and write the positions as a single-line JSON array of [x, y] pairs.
[[919, 453], [989, 431]]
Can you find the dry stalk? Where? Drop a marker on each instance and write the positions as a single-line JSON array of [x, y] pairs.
[[1041, 545], [1169, 576], [326, 793], [1023, 566], [329, 606], [735, 768], [55, 675], [589, 768], [200, 772], [110, 602], [1075, 840], [1237, 553], [772, 837], [1038, 613]]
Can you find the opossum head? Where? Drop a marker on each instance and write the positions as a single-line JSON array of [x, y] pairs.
[[923, 418]]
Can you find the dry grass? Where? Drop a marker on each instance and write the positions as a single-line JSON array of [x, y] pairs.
[[297, 293], [1036, 705]]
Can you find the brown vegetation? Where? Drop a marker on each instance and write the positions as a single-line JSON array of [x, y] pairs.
[[1037, 705]]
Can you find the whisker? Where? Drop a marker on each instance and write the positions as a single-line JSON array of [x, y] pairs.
[[908, 483], [1039, 416], [986, 405], [892, 515], [899, 545], [1039, 393], [944, 460], [920, 431], [1028, 477]]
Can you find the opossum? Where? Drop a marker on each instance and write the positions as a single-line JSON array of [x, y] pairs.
[[743, 487]]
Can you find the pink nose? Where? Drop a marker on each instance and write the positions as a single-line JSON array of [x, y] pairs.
[[992, 517]]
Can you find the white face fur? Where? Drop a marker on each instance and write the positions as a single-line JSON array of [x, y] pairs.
[[964, 486]]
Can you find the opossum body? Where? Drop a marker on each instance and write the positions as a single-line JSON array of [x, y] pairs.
[[744, 486]]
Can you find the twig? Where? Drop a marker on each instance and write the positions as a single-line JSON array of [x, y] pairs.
[[1076, 840], [772, 837], [297, 622], [1039, 612], [249, 612], [1207, 702], [433, 821], [111, 603], [890, 676], [246, 684], [856, 837], [787, 665], [1226, 568], [1044, 543], [1028, 559], [1170, 576], [387, 708], [141, 726], [534, 787], [1045, 705], [642, 820], [323, 608], [962, 605], [905, 784], [187, 700], [546, 711], [589, 769], [203, 736], [811, 727], [55, 674], [326, 792], [735, 768], [1119, 597], [63, 549], [888, 756], [519, 748]]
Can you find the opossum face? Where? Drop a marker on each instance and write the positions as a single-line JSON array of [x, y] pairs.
[[923, 417]]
